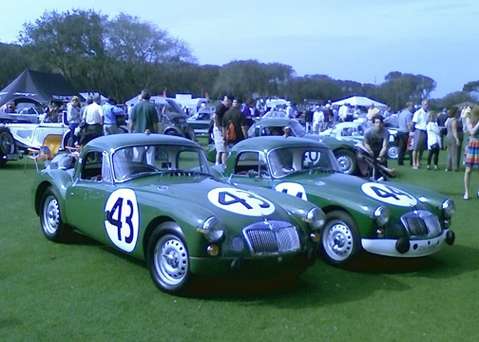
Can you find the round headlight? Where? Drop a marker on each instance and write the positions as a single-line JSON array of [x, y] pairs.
[[316, 218], [381, 214], [448, 207], [212, 229]]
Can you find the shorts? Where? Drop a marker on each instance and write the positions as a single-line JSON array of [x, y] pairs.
[[219, 139], [420, 140]]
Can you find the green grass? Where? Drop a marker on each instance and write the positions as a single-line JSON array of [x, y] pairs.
[[83, 290]]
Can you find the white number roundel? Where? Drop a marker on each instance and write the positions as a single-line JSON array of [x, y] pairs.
[[293, 189], [240, 202], [389, 194], [122, 221]]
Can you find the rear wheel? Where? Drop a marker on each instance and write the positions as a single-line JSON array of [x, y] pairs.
[[346, 161], [168, 261], [7, 146], [340, 240]]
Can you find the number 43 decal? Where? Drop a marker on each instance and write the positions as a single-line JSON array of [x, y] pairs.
[[121, 224], [240, 202]]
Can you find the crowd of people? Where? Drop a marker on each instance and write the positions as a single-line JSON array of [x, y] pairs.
[[419, 129]]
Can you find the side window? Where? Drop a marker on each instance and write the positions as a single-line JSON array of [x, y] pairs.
[[188, 160], [247, 161], [92, 166], [251, 162]]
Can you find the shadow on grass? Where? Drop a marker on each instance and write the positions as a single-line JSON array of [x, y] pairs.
[[322, 284], [73, 237]]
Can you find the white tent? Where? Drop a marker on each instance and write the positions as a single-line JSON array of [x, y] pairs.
[[359, 101]]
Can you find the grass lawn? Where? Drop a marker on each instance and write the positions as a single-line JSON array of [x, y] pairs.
[[83, 290]]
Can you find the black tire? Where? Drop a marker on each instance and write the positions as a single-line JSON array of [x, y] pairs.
[[340, 240], [7, 145], [168, 261], [51, 220], [346, 161]]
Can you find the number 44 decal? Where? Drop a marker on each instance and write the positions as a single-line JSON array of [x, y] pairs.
[[122, 219]]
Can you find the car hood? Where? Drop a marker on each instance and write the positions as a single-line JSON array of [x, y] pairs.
[[201, 196], [362, 195]]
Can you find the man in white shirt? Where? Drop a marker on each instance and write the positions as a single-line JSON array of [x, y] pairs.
[[93, 118], [318, 120], [419, 121], [343, 112]]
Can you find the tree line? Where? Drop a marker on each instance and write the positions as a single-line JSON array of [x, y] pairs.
[[121, 55]]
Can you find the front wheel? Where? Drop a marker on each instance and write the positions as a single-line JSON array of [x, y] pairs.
[[346, 161], [168, 262], [50, 217], [340, 240]]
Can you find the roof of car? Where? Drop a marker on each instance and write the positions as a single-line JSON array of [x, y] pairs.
[[271, 142], [115, 141], [273, 122]]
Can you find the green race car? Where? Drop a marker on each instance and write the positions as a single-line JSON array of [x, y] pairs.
[[153, 197], [379, 217]]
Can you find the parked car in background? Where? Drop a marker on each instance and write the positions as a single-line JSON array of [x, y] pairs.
[[200, 121], [172, 119], [355, 130], [344, 150], [153, 197], [382, 218]]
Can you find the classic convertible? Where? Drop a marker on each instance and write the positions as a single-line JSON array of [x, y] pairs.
[[383, 218], [153, 197]]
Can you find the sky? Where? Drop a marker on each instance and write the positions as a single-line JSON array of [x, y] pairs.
[[359, 40]]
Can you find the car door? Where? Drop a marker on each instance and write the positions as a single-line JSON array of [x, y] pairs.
[[88, 194]]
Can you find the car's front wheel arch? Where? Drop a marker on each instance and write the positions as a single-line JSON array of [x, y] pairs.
[[164, 223]]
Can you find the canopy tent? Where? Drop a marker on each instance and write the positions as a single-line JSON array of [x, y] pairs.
[[359, 101], [37, 86]]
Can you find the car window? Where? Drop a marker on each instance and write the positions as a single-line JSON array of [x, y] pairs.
[[135, 161], [284, 161], [188, 160], [92, 166], [251, 163]]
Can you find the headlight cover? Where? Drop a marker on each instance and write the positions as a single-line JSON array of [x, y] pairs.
[[448, 207], [212, 229], [316, 218], [381, 214]]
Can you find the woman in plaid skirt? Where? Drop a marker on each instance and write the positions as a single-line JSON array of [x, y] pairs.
[[472, 154]]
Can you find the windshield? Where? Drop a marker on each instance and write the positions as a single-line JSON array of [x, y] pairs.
[[136, 161], [285, 161]]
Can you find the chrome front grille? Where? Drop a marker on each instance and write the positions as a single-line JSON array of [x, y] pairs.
[[421, 223], [271, 237]]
